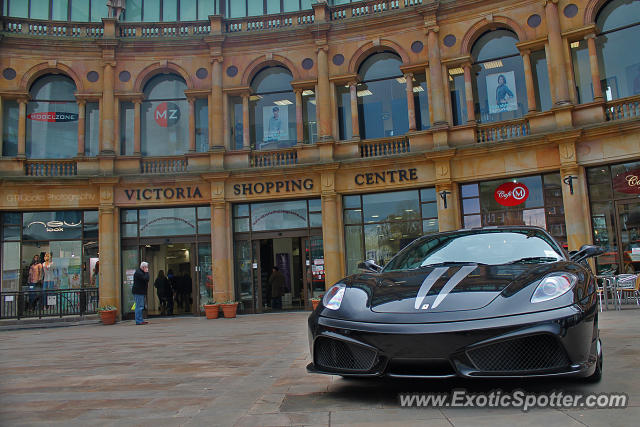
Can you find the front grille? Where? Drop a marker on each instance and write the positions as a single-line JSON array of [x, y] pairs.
[[336, 354], [531, 353]]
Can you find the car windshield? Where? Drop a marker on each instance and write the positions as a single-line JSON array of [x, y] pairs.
[[491, 247]]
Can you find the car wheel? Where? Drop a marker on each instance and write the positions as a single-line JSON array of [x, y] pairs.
[[597, 374]]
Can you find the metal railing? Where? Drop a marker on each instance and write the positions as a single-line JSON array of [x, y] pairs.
[[41, 303]]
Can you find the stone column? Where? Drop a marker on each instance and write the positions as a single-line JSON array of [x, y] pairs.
[[528, 80], [468, 93], [108, 281], [223, 288], [556, 49], [435, 70], [410, 103], [355, 121], [107, 146], [331, 238], [429, 94], [192, 124], [576, 207], [216, 107], [323, 109], [82, 104], [595, 71], [449, 217], [246, 140], [136, 127], [22, 128], [299, 120]]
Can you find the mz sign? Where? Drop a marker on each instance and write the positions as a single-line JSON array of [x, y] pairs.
[[511, 194], [167, 114]]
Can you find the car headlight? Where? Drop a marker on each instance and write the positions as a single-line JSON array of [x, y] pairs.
[[553, 286], [333, 298]]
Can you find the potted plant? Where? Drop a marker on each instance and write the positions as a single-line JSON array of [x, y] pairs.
[[315, 301], [229, 308], [211, 309], [107, 314]]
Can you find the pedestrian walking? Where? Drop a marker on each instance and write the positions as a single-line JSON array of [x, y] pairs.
[[139, 290]]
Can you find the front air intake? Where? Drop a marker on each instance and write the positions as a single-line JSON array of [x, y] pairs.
[[334, 354]]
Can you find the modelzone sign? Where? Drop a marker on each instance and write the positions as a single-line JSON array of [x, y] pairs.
[[53, 117], [167, 114]]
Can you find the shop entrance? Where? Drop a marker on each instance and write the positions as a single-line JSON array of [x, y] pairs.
[[300, 259], [628, 213], [187, 267]]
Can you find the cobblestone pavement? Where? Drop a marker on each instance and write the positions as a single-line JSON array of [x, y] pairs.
[[250, 371]]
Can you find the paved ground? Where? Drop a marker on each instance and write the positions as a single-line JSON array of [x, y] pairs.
[[250, 371]]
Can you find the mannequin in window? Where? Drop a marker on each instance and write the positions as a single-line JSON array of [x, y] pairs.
[[275, 125], [116, 8]]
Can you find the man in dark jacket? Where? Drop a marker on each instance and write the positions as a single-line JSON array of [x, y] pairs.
[[277, 282], [139, 290]]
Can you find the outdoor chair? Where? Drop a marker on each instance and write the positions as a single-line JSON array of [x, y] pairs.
[[628, 285]]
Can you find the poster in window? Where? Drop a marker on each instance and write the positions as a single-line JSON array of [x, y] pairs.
[[275, 121], [633, 79], [501, 92]]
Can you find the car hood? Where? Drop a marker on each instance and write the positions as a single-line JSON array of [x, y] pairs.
[[444, 288]]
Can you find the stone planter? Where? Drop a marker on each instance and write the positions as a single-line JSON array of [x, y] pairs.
[[211, 311]]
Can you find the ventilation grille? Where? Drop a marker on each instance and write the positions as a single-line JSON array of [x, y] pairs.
[[335, 354], [532, 353]]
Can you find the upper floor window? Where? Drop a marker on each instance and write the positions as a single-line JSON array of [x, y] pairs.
[[165, 117], [170, 10], [57, 10], [382, 97], [617, 51], [499, 88], [272, 109], [52, 118], [242, 8]]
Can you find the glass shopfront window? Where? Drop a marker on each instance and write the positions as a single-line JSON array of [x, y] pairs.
[[378, 225], [273, 216], [65, 243], [165, 117], [202, 125], [183, 221], [615, 216], [533, 200], [458, 96], [92, 129], [272, 110], [499, 84], [52, 119]]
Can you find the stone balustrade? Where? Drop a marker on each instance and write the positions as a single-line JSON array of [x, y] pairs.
[[165, 165], [385, 147], [52, 168], [275, 158], [625, 108], [503, 130]]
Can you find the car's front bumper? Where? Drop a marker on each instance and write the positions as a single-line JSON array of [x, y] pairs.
[[549, 343]]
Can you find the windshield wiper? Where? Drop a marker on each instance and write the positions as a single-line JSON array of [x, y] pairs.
[[534, 260], [440, 264]]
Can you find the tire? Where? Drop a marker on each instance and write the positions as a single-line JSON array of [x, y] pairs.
[[597, 374]]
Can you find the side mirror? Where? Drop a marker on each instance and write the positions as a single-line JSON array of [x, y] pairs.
[[370, 265], [586, 251]]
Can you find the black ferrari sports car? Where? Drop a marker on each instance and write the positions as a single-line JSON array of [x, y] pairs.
[[488, 302]]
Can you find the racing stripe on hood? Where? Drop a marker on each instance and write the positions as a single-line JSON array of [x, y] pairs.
[[428, 283], [457, 278]]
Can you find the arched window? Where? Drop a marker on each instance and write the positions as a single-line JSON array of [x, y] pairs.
[[382, 97], [272, 109], [52, 118], [499, 87], [165, 117], [618, 49]]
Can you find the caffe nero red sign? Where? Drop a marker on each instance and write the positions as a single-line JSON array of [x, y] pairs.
[[511, 194], [50, 116], [167, 114], [628, 182]]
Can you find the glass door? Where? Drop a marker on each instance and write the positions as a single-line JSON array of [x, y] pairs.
[[130, 262], [314, 277], [204, 275], [244, 276], [629, 232]]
